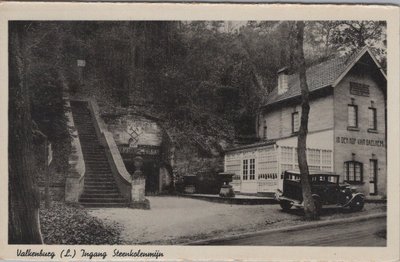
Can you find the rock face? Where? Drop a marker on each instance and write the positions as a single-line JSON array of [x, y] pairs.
[[137, 136]]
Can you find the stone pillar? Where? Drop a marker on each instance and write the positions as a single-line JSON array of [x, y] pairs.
[[139, 200]]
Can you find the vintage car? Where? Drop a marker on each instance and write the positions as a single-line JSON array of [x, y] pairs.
[[325, 189]]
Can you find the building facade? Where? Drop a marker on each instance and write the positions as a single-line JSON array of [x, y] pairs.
[[347, 128]]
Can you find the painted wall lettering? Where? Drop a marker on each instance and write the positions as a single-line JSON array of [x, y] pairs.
[[359, 141]]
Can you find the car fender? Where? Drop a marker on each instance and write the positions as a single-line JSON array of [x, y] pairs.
[[316, 196], [355, 197]]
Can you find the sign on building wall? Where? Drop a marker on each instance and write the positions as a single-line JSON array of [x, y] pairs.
[[359, 141]]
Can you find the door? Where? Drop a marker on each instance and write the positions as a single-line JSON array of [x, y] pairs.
[[373, 175], [151, 173]]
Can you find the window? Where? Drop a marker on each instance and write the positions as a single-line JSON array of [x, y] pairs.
[[353, 171], [372, 119], [265, 130], [252, 169], [245, 169], [352, 113], [295, 122]]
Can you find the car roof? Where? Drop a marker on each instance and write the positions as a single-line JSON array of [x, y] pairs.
[[313, 173]]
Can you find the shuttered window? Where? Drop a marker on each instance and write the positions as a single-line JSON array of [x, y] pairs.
[[352, 115], [372, 119], [295, 122]]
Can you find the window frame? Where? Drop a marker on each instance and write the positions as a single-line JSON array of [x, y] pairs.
[[245, 169], [265, 130], [355, 127], [375, 120], [252, 169], [293, 127], [346, 171]]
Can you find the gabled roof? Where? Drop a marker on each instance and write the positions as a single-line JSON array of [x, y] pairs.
[[328, 73]]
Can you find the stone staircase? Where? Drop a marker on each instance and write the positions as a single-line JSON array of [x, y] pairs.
[[100, 188]]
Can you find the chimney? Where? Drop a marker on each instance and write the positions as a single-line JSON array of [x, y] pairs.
[[282, 80]]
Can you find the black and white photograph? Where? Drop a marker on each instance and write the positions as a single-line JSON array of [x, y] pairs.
[[197, 132]]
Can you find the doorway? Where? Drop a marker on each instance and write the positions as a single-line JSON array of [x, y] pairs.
[[373, 175], [151, 172]]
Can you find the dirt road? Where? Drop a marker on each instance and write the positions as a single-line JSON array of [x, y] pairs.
[[360, 233]]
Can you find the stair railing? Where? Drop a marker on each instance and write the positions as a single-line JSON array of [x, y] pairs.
[[76, 171], [121, 175]]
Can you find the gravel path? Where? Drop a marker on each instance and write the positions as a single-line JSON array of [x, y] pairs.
[[174, 220]]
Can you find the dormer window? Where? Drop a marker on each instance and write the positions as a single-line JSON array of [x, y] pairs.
[[282, 81]]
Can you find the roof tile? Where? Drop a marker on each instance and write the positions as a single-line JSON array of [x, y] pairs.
[[318, 76]]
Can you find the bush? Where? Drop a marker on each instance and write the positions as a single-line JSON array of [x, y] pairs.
[[72, 225]]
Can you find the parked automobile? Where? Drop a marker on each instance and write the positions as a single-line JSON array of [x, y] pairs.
[[325, 188]]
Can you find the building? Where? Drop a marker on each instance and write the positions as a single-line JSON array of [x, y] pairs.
[[347, 128]]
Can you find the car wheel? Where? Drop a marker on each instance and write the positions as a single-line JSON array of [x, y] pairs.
[[285, 205], [357, 205]]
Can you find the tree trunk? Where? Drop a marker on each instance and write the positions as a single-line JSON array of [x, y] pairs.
[[23, 195], [308, 201]]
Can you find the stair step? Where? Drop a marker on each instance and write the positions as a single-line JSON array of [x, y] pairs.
[[109, 205], [93, 153], [101, 191], [96, 159], [98, 171], [103, 200], [91, 148], [86, 195], [99, 177], [95, 187], [98, 174], [97, 162], [104, 183], [100, 185], [99, 180]]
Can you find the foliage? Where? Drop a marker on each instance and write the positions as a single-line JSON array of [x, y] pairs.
[[72, 225], [45, 67], [204, 79]]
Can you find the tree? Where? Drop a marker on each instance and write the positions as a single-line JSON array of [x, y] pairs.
[[23, 212], [308, 201]]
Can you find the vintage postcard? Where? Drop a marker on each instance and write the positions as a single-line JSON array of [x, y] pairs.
[[199, 132]]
